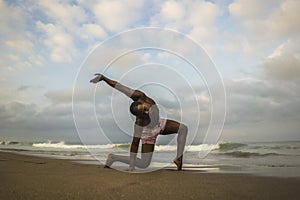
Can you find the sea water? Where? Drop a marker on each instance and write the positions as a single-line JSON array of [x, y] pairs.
[[268, 159]]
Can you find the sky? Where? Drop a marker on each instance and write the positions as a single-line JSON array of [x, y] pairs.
[[255, 46]]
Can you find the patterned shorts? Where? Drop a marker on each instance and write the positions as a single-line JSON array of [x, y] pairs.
[[149, 135]]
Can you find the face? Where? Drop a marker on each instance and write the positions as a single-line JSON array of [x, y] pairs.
[[142, 110]]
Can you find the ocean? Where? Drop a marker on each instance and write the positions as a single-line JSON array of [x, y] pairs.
[[266, 159]]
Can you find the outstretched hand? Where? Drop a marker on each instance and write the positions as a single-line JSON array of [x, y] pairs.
[[99, 77]]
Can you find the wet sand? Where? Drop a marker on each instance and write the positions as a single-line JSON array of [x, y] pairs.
[[26, 177]]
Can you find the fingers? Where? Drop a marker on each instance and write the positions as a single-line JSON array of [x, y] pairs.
[[97, 78], [94, 80]]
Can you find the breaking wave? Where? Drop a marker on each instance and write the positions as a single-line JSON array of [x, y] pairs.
[[63, 145], [241, 154], [9, 143], [225, 146]]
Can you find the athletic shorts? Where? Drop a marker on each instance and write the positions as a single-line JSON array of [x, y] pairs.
[[149, 135]]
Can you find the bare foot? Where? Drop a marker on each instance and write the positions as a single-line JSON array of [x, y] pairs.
[[178, 162], [109, 160]]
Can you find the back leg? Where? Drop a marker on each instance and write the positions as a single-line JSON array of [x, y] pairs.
[[176, 127]]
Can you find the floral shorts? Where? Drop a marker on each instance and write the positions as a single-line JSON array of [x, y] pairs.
[[149, 135]]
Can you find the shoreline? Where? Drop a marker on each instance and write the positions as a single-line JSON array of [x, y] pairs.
[[28, 177], [274, 170]]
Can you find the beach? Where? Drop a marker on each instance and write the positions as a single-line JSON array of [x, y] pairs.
[[30, 177]]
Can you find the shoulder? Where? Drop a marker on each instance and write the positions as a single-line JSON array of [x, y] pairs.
[[137, 94]]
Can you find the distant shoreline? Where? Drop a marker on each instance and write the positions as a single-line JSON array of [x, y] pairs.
[[28, 177]]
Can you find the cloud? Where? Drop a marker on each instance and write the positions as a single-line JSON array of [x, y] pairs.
[[64, 96], [258, 29], [17, 44], [23, 87], [172, 10], [18, 116], [284, 21], [267, 20], [63, 12], [16, 112], [92, 31], [60, 96], [12, 18], [118, 15], [286, 68], [59, 42], [244, 10], [203, 13], [284, 63], [20, 46], [252, 100], [197, 19], [187, 16]]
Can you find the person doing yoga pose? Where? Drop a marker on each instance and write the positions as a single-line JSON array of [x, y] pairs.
[[148, 125]]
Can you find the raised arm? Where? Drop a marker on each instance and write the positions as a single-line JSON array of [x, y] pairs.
[[133, 94]]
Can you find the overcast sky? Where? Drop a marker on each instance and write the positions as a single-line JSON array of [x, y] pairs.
[[254, 44]]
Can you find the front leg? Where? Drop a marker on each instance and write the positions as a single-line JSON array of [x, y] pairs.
[[133, 152]]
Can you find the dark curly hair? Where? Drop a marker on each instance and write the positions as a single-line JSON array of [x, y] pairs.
[[133, 107]]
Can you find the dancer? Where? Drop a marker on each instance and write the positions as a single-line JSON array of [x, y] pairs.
[[148, 125]]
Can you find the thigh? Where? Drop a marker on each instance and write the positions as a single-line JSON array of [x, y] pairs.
[[171, 127], [147, 148], [147, 152]]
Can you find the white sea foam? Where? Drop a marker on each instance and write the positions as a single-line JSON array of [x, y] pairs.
[[165, 147], [188, 148], [62, 145], [201, 147], [158, 148]]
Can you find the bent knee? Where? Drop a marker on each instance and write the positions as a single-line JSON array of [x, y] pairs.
[[144, 165], [183, 128]]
